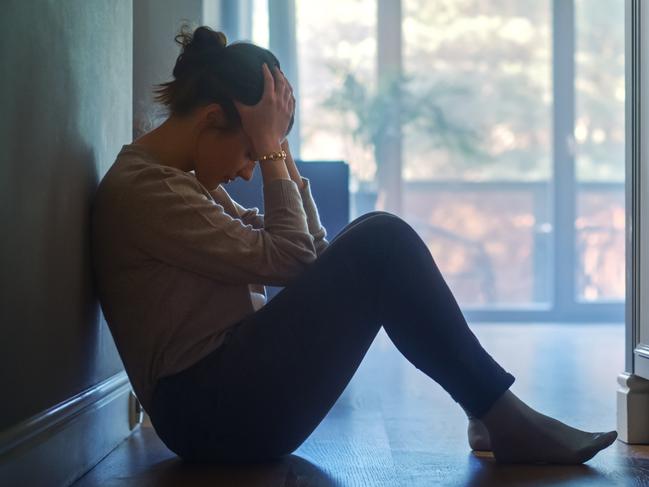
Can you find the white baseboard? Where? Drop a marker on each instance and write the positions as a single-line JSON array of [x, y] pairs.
[[633, 409], [59, 445]]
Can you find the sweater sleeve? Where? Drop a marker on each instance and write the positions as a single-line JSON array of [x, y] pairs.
[[316, 229], [172, 220]]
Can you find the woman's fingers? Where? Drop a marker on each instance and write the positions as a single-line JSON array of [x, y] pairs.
[[277, 75], [289, 103], [290, 86], [269, 81], [282, 84], [271, 116], [287, 90], [291, 107], [287, 94]]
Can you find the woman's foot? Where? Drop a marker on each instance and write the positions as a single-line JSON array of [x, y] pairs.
[[519, 434], [478, 435]]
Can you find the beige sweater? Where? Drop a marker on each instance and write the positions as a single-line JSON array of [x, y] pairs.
[[177, 264]]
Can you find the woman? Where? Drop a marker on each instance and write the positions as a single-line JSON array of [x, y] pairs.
[[226, 376]]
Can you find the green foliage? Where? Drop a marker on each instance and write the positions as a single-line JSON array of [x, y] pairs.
[[377, 112]]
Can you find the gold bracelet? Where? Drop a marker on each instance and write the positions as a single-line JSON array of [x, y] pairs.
[[273, 156]]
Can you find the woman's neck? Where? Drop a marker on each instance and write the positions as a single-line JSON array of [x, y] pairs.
[[170, 144]]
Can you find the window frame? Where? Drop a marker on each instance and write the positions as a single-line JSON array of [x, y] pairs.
[[564, 305]]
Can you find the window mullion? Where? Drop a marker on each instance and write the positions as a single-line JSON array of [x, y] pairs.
[[283, 43], [564, 187]]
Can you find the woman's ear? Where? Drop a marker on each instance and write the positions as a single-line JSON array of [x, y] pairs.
[[213, 116]]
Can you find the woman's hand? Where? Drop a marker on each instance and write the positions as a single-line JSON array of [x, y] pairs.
[[291, 167], [266, 122]]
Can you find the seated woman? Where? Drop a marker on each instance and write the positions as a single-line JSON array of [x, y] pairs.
[[181, 267]]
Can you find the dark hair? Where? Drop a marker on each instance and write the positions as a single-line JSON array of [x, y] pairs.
[[208, 70]]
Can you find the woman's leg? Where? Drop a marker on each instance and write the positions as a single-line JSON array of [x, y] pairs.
[[477, 433], [282, 368], [359, 219], [171, 414]]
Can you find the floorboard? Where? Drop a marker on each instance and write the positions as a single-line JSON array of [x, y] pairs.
[[393, 426]]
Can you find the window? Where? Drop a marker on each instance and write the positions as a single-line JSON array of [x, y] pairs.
[[512, 136], [480, 196], [334, 38]]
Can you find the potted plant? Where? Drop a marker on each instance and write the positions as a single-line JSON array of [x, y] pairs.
[[382, 113]]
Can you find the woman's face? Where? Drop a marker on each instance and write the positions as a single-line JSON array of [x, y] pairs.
[[223, 155]]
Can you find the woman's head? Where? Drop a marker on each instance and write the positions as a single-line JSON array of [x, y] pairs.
[[208, 70], [209, 76]]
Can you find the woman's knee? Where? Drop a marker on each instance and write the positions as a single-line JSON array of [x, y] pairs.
[[383, 224], [374, 214], [377, 232], [372, 235], [356, 221]]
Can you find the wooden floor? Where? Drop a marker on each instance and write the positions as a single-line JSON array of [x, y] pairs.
[[393, 426]]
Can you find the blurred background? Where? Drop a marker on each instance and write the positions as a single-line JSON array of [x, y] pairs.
[[494, 127]]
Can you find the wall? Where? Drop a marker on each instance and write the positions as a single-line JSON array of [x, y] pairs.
[[156, 22], [66, 97]]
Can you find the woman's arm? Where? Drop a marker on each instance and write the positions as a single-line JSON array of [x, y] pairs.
[[313, 218], [290, 165], [169, 217], [251, 216]]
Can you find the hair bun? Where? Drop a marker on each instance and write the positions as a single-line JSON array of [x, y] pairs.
[[197, 47], [204, 37]]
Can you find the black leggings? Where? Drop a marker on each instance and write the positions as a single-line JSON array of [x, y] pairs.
[[281, 369]]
